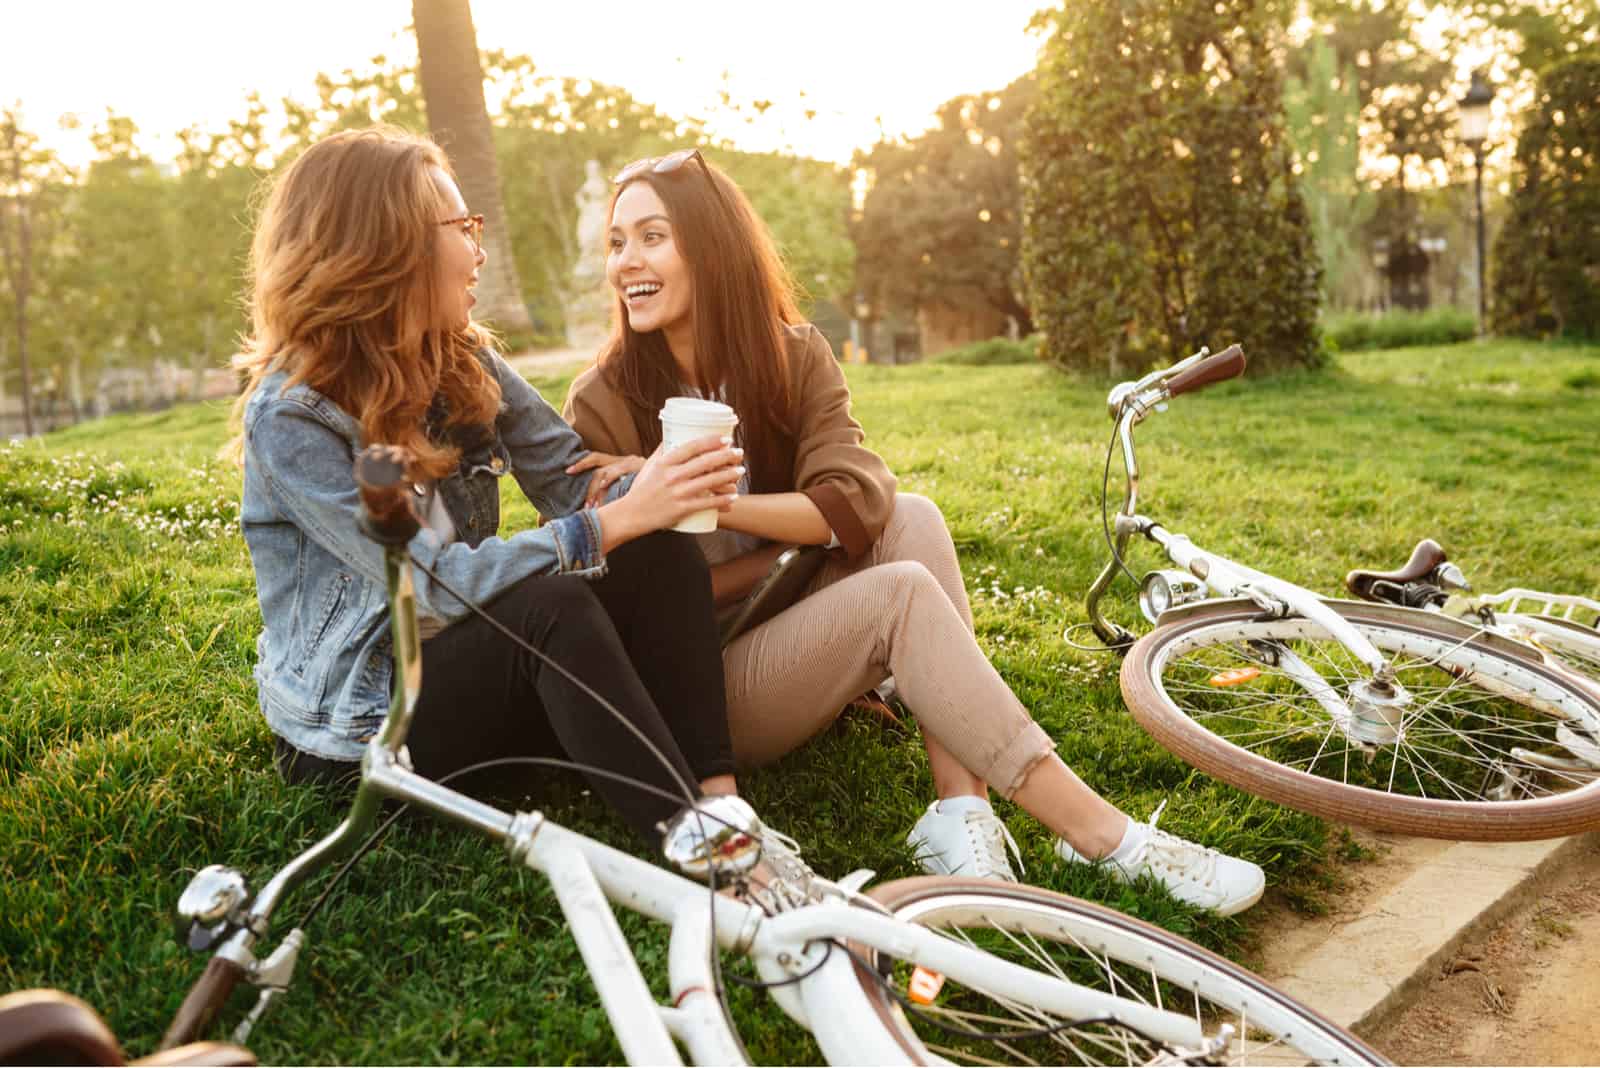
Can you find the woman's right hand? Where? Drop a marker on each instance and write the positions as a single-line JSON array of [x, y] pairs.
[[672, 485]]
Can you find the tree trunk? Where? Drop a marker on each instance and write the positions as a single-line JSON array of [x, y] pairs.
[[452, 92], [19, 265]]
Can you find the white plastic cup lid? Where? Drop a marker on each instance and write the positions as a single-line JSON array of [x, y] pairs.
[[695, 411]]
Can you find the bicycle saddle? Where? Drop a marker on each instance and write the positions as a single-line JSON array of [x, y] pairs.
[[49, 1027], [1427, 556]]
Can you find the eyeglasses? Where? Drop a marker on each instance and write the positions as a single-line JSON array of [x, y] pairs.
[[471, 225], [669, 164]]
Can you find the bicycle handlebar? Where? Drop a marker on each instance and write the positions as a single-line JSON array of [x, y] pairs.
[[1229, 363], [203, 1002], [380, 473]]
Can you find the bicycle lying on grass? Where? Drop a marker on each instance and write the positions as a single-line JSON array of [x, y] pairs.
[[917, 971], [1381, 714]]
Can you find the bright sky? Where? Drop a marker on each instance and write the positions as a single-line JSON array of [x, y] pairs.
[[167, 64]]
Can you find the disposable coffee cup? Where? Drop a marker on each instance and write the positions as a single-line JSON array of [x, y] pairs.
[[684, 419]]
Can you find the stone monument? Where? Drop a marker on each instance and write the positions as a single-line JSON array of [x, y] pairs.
[[589, 301]]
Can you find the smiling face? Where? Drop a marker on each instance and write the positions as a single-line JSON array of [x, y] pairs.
[[644, 265], [456, 259]]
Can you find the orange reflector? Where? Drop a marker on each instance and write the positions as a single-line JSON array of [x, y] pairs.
[[1234, 676], [925, 985]]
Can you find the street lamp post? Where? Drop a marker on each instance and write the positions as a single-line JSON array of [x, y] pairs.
[[1474, 117]]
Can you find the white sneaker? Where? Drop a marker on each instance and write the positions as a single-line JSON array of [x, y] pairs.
[[963, 836], [1191, 873]]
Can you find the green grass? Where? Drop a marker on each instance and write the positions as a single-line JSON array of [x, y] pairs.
[[131, 752]]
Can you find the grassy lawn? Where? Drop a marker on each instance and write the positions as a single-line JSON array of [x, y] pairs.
[[131, 752]]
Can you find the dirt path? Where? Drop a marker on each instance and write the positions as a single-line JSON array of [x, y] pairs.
[[1526, 991]]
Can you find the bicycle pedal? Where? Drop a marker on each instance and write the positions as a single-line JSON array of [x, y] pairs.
[[924, 986]]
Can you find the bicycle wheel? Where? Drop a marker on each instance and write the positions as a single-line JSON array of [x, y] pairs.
[[1096, 947], [1488, 744]]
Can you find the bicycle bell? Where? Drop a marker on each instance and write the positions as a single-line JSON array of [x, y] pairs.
[[213, 899], [721, 832]]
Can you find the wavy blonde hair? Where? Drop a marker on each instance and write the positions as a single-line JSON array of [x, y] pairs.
[[342, 294]]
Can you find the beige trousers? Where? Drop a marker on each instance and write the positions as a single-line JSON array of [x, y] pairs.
[[900, 610]]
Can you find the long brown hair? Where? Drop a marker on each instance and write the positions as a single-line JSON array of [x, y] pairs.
[[343, 295], [743, 301]]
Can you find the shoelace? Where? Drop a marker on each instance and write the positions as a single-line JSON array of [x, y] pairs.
[[1195, 861], [791, 876], [990, 840]]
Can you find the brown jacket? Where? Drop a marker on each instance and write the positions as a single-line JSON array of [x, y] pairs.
[[849, 483]]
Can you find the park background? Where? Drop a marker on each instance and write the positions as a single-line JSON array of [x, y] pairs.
[[1115, 195], [1152, 177]]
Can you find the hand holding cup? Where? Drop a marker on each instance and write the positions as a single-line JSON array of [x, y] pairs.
[[678, 483]]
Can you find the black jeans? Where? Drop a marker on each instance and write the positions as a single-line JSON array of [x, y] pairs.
[[644, 637]]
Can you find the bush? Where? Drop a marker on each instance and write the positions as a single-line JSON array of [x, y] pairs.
[[1547, 259], [992, 352], [1160, 207], [1353, 331]]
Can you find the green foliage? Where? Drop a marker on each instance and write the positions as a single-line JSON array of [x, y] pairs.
[[134, 263], [1543, 32], [942, 221], [806, 205], [34, 189], [1403, 88], [1323, 110], [993, 352], [1547, 260], [1400, 328], [1160, 209]]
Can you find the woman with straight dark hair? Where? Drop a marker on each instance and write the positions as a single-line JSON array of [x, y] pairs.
[[705, 308], [362, 270]]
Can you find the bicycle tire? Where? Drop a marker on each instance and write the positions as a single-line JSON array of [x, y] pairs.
[[1165, 687], [1100, 947]]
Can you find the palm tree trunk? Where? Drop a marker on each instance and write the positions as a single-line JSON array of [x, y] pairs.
[[452, 91]]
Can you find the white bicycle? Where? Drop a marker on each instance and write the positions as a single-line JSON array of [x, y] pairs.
[[916, 971], [1399, 718]]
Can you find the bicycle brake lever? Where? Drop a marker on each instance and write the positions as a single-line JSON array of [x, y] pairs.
[[1271, 607], [272, 975]]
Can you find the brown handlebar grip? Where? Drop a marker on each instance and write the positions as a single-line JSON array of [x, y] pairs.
[[1229, 363], [387, 515], [205, 1000]]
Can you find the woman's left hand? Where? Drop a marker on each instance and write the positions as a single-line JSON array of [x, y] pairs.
[[607, 469]]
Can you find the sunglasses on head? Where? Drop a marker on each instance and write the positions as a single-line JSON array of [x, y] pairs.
[[670, 164]]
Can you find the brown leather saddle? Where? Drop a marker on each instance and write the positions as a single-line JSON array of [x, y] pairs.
[[1427, 556]]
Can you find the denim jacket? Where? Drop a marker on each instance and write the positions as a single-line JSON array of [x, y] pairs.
[[324, 659]]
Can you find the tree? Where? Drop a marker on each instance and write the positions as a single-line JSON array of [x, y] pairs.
[[1547, 276], [1160, 208], [451, 76], [1543, 32], [32, 181], [1323, 108], [942, 220], [216, 176], [806, 205]]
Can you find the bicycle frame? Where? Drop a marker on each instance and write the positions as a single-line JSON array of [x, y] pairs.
[[822, 993]]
